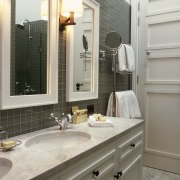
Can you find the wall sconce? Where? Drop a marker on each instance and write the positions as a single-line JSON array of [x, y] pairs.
[[70, 10], [44, 10]]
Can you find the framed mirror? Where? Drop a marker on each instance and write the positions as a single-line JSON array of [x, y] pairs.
[[29, 52], [82, 55]]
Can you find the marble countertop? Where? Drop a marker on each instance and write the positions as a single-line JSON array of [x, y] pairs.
[[37, 164]]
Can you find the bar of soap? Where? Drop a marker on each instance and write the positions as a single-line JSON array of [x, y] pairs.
[[7, 144], [99, 117]]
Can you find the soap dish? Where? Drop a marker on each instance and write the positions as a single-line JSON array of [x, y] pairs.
[[10, 146]]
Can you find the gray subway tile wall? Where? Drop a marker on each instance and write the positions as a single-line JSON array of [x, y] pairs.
[[114, 15]]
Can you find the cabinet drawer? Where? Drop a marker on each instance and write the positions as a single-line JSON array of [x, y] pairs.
[[95, 166], [133, 171], [104, 169], [130, 144], [127, 160]]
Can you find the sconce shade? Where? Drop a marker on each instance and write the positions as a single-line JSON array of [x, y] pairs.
[[44, 10], [74, 6]]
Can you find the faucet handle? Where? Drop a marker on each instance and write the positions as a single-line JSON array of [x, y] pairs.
[[66, 117], [52, 115], [63, 114]]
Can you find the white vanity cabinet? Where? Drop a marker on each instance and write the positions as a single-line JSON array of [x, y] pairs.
[[129, 150], [120, 159]]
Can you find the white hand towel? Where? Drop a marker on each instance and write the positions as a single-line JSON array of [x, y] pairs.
[[133, 106], [126, 105], [121, 105], [93, 123], [122, 109], [130, 65], [109, 111]]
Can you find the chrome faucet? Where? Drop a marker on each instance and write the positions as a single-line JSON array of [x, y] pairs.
[[63, 122]]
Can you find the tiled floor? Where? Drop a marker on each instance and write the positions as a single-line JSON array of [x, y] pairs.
[[154, 174]]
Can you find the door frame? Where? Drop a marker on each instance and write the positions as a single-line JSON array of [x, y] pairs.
[[134, 39]]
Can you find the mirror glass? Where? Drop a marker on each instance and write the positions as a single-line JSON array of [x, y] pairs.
[[83, 51], [29, 53], [28, 57], [82, 55]]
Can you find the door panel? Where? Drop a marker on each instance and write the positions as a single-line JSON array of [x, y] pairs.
[[156, 6], [163, 32], [163, 132], [169, 71], [159, 65]]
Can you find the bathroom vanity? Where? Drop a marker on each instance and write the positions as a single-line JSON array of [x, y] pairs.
[[81, 152]]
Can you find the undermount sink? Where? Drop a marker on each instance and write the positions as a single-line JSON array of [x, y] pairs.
[[5, 166], [58, 140]]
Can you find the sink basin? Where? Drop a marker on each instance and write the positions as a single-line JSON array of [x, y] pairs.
[[5, 166], [58, 140]]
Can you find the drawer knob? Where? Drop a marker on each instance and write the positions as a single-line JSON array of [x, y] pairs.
[[133, 145], [117, 176], [120, 173], [96, 173]]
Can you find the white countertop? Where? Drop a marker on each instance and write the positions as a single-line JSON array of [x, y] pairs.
[[34, 164]]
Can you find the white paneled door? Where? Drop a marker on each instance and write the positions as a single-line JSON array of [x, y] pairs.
[[159, 82]]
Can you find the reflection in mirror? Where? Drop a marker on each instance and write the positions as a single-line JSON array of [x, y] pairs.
[[29, 35], [82, 55], [83, 51]]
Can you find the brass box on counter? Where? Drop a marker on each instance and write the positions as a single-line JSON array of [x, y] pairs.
[[79, 115]]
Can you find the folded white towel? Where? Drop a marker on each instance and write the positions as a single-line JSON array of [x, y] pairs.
[[122, 59], [93, 123], [130, 65], [126, 105], [126, 59]]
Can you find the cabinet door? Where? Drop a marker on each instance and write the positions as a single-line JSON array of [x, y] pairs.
[[133, 171]]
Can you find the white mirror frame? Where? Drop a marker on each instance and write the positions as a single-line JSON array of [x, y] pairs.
[[70, 44], [7, 101]]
